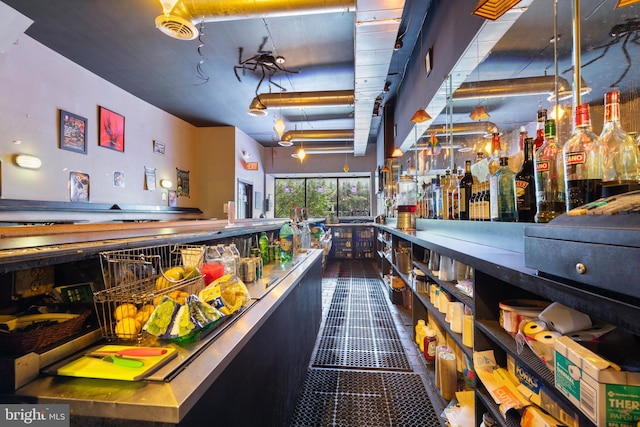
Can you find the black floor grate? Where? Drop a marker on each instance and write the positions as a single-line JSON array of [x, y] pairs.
[[359, 331], [332, 397]]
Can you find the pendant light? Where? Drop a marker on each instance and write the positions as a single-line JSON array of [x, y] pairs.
[[345, 168], [397, 152], [493, 9], [421, 115], [479, 113]]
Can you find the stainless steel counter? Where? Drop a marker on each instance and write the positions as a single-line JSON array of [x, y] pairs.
[[176, 388]]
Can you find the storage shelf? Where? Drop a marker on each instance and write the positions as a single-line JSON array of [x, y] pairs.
[[483, 395], [440, 318], [450, 287], [531, 361]]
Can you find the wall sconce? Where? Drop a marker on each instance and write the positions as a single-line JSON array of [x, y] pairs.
[[28, 162], [166, 184]]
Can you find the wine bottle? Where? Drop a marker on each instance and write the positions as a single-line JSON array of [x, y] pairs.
[[549, 176], [465, 190], [621, 151], [525, 186], [583, 157]]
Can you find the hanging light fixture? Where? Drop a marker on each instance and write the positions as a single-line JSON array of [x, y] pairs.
[[493, 9], [479, 113], [301, 154], [279, 127], [420, 116], [623, 3], [397, 152], [345, 168]]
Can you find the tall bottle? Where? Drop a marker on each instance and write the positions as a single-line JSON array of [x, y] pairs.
[[549, 176], [286, 243], [452, 194], [621, 151], [437, 195], [505, 198], [485, 202], [465, 191], [583, 158], [263, 244], [496, 152], [446, 206], [525, 186], [540, 128]]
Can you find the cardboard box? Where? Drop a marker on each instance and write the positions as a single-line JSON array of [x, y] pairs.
[[607, 395], [539, 394]]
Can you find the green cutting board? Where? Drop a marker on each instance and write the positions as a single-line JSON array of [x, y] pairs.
[[92, 367]]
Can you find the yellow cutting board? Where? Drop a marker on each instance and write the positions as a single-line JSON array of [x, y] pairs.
[[92, 367]]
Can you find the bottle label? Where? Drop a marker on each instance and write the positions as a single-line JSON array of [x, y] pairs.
[[543, 166], [576, 158], [521, 185]]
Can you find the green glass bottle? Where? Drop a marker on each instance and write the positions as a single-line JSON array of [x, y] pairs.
[[263, 243], [506, 192], [286, 243]]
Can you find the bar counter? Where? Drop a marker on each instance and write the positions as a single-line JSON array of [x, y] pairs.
[[248, 371]]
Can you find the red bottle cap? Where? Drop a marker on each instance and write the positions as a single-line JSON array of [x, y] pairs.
[[612, 96], [582, 115]]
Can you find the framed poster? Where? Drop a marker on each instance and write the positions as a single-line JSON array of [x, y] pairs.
[[73, 132], [118, 179], [79, 186], [150, 178], [158, 147], [182, 183], [110, 129], [173, 198]]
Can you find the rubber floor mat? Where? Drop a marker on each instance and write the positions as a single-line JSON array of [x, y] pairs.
[[334, 397], [359, 331]]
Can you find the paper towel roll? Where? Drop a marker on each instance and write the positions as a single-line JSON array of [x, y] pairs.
[[448, 375], [433, 295], [457, 312], [547, 337], [467, 330], [440, 349], [443, 303], [534, 327]]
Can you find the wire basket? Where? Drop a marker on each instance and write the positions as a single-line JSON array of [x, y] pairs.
[[133, 276]]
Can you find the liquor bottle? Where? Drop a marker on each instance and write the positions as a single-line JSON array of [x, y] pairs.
[[583, 157], [505, 198], [446, 182], [286, 243], [465, 190], [263, 244], [525, 186], [494, 161], [437, 197], [452, 194], [549, 175], [542, 118], [621, 151]]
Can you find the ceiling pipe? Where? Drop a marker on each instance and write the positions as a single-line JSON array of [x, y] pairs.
[[469, 128], [262, 102], [180, 17], [517, 87], [318, 135]]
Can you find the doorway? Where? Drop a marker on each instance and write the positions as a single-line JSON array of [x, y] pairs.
[[245, 199]]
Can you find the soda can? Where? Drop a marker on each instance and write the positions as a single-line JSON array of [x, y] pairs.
[[247, 270]]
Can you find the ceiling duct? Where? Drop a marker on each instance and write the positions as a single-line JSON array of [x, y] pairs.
[[179, 17], [262, 102], [469, 128], [517, 87], [318, 135]]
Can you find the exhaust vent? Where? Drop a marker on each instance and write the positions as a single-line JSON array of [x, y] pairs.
[[176, 27]]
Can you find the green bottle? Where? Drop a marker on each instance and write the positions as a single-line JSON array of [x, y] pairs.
[[263, 243], [506, 195], [286, 243]]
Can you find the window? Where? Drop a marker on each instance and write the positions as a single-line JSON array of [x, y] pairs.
[[345, 196]]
